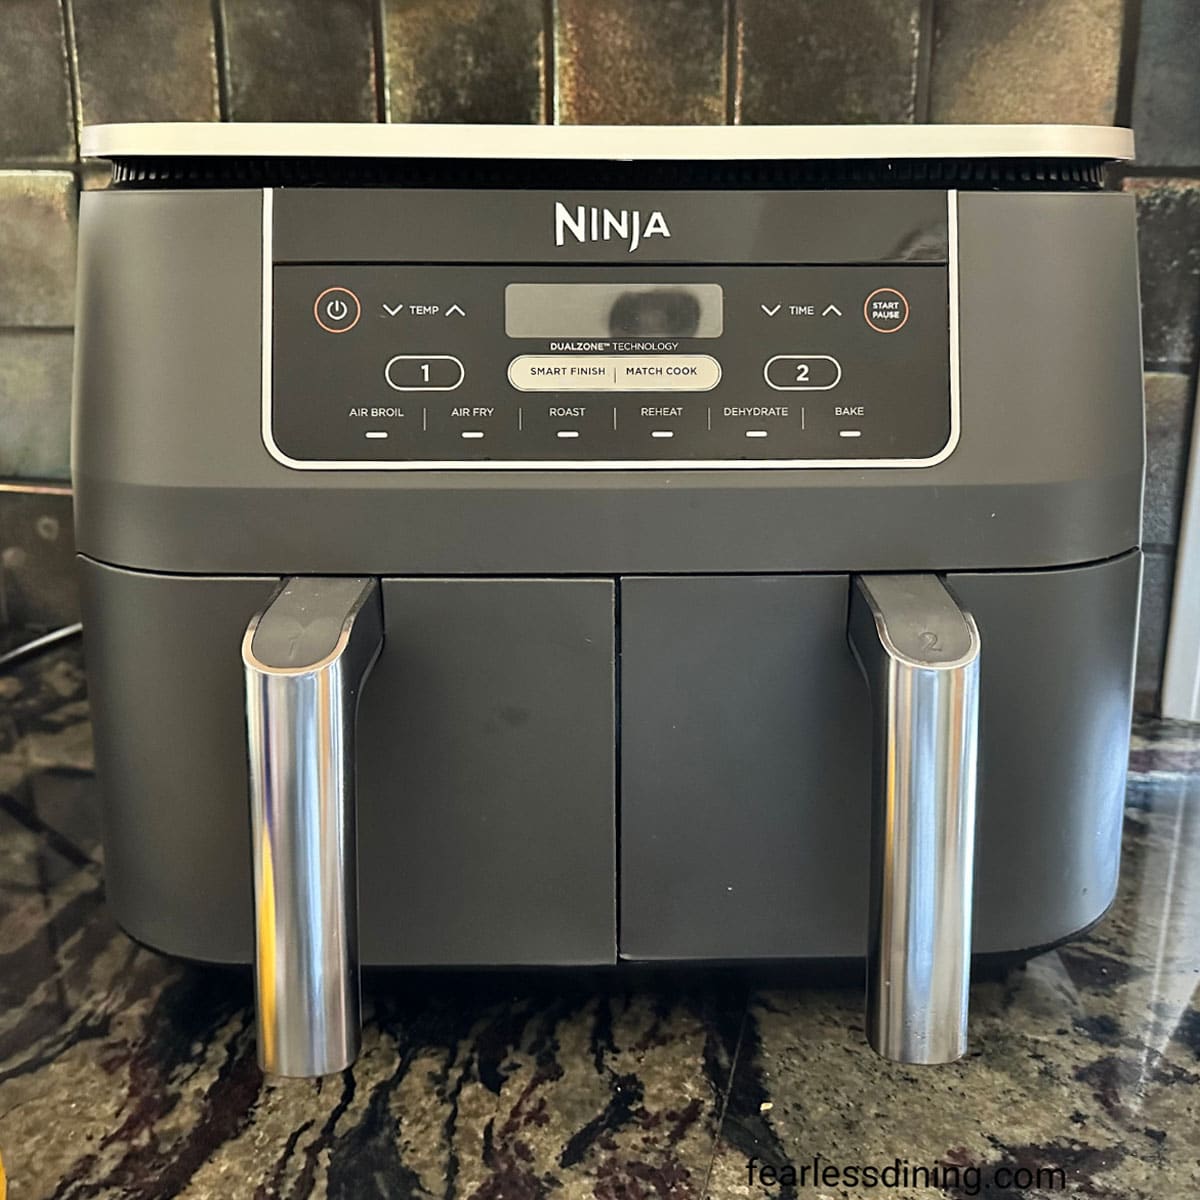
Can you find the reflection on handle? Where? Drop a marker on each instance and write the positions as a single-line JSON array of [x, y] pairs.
[[306, 656], [920, 654]]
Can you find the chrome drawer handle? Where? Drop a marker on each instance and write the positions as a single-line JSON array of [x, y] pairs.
[[919, 653], [306, 657]]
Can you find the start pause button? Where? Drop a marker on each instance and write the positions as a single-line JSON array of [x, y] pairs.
[[886, 310]]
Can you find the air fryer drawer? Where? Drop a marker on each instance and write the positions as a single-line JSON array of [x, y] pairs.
[[488, 745], [486, 817], [745, 760]]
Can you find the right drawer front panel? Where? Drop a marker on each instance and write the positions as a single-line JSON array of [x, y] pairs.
[[744, 769], [745, 760]]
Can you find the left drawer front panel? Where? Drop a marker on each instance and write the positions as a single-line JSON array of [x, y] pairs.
[[487, 822], [486, 797]]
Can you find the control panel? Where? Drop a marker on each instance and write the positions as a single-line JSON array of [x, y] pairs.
[[378, 366]]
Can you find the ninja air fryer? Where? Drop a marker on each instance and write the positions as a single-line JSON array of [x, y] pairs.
[[571, 546]]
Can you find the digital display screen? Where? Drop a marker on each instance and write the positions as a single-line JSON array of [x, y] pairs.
[[607, 310]]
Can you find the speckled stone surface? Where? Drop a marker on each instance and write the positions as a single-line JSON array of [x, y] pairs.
[[125, 1074]]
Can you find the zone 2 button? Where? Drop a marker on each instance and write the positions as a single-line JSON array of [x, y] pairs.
[[802, 372]]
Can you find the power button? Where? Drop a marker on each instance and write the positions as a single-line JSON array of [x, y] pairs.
[[337, 310]]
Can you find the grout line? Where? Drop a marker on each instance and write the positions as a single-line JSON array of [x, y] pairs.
[[737, 1053], [72, 51], [221, 53], [1170, 366], [1120, 171], [549, 63], [926, 30], [29, 167], [30, 487], [1131, 37], [383, 91], [732, 63]]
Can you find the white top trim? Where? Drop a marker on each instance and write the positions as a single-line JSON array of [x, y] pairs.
[[606, 142]]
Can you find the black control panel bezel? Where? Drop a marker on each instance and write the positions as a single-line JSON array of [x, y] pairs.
[[321, 389]]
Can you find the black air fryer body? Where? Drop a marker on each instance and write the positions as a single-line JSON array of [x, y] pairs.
[[615, 439]]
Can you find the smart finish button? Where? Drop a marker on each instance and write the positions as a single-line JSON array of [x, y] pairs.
[[886, 310], [337, 310]]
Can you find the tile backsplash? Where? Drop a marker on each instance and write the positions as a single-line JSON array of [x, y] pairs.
[[1030, 61], [63, 62], [155, 60], [826, 62], [292, 60], [624, 62], [465, 60]]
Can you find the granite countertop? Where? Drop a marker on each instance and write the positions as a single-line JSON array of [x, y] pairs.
[[126, 1074]]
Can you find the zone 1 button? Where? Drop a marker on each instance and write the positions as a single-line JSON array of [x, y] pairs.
[[886, 310], [337, 310], [424, 372]]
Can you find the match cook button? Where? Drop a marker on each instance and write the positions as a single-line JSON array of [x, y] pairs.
[[614, 373], [886, 310]]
